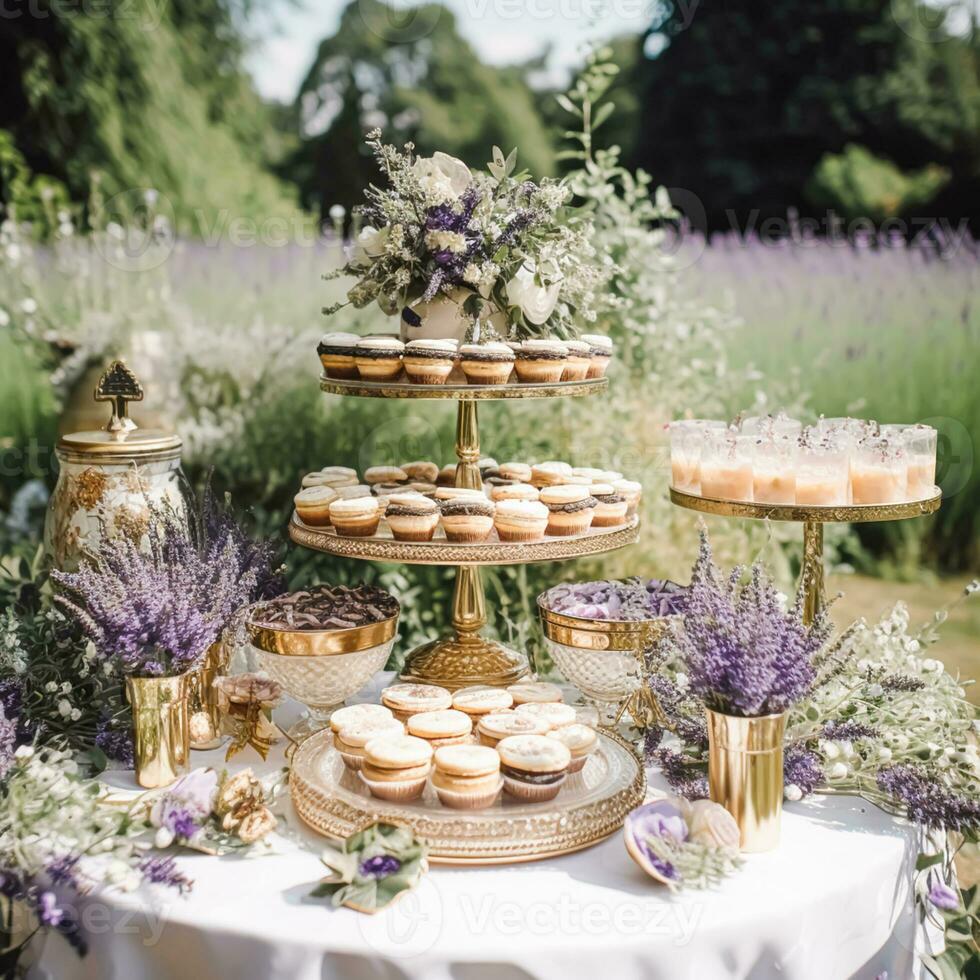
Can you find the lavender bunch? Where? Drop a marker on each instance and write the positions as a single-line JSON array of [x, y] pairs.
[[156, 606], [743, 653], [928, 802]]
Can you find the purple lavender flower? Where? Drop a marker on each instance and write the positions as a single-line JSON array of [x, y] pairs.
[[944, 897], [902, 684], [116, 743], [163, 871], [927, 801], [848, 731], [744, 655], [63, 871], [186, 806], [48, 913], [686, 778], [652, 738], [801, 768], [379, 866]]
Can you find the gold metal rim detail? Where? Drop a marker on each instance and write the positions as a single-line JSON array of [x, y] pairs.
[[850, 514], [461, 392], [322, 643], [620, 636]]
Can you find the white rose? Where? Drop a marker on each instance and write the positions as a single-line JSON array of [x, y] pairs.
[[536, 302], [711, 824], [369, 245], [442, 177], [792, 792]]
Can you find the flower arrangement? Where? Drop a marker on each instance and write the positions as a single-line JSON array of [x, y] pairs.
[[489, 241]]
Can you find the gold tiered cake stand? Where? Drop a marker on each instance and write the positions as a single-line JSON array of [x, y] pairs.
[[813, 519], [466, 657]]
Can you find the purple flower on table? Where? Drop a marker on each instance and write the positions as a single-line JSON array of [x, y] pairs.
[[63, 871], [927, 801], [163, 871], [48, 913], [686, 778], [902, 684], [183, 809], [848, 731], [943, 897], [116, 743], [379, 866], [801, 768], [662, 821]]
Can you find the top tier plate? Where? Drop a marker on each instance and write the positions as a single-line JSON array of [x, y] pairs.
[[850, 514], [461, 391]]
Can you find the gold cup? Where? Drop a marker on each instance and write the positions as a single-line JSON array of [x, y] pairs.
[[203, 697], [161, 731], [745, 774]]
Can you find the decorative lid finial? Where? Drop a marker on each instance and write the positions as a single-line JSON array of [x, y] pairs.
[[120, 386]]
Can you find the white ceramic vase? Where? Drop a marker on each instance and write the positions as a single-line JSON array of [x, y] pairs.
[[443, 318]]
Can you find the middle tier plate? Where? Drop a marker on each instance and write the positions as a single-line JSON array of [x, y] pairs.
[[439, 551]]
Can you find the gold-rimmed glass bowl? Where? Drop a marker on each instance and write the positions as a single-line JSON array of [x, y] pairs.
[[322, 668]]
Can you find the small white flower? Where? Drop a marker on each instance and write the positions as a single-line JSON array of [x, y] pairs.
[[64, 708], [441, 177], [66, 687], [75, 714], [28, 306], [838, 771], [24, 753], [830, 750], [4, 317], [369, 245], [51, 687], [164, 837], [337, 212], [884, 754], [681, 680], [792, 792], [875, 691], [932, 666]]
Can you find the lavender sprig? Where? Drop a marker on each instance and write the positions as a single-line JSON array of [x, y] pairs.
[[927, 801]]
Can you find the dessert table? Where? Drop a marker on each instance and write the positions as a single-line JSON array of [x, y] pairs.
[[834, 900]]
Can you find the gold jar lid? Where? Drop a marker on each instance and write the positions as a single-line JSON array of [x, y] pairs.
[[122, 439]]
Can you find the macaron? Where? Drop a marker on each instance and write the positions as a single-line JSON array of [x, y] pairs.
[[426, 489], [535, 692], [313, 505], [315, 480], [570, 509], [486, 364], [633, 492], [339, 471], [533, 766], [406, 700], [513, 491], [601, 351], [481, 700], [379, 358], [421, 471], [554, 713], [491, 728], [515, 471], [330, 478], [353, 714], [384, 474], [467, 518], [453, 493], [447, 476], [336, 351], [521, 520], [357, 517], [579, 360], [396, 767], [353, 491], [439, 728], [550, 473], [466, 777], [610, 507], [580, 740], [412, 517], [352, 738], [592, 472], [540, 361], [487, 466], [429, 362]]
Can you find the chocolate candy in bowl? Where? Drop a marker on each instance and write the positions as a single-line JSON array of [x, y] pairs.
[[323, 645], [596, 632]]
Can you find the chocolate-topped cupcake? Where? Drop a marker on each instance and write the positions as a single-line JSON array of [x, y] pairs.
[[486, 364], [570, 509], [336, 352], [541, 361], [611, 506], [379, 358], [412, 517], [429, 362], [468, 518]]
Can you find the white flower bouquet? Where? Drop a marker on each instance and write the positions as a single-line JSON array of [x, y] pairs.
[[494, 246]]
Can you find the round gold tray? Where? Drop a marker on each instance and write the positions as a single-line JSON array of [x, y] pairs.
[[461, 391], [851, 514], [439, 551], [591, 805]]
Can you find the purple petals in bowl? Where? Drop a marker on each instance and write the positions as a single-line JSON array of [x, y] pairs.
[[630, 600], [644, 827]]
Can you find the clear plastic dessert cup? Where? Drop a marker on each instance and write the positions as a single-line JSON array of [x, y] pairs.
[[822, 474], [771, 426], [879, 471], [726, 465], [686, 445], [774, 471], [920, 441]]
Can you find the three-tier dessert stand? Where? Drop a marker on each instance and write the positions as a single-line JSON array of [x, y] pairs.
[[467, 656]]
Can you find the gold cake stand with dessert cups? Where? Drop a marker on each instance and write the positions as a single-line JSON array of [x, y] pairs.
[[813, 518], [466, 657]]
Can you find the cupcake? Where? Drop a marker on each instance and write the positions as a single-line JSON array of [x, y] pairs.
[[379, 358], [439, 728], [535, 692], [550, 473], [601, 348], [486, 364], [491, 482], [513, 491], [488, 467], [412, 517], [350, 740], [313, 505], [481, 700], [406, 700], [383, 492], [354, 714], [466, 777], [541, 361], [556, 714], [355, 518], [579, 361], [515, 471], [429, 362], [315, 480], [447, 476], [521, 520], [632, 491], [385, 474], [610, 506], [570, 509], [420, 471], [353, 491], [533, 766], [492, 728], [336, 352], [580, 740], [467, 519], [396, 767]]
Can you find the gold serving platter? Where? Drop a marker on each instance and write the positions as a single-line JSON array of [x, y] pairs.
[[851, 514], [590, 807], [439, 551], [461, 391]]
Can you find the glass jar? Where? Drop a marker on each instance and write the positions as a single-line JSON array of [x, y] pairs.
[[110, 479]]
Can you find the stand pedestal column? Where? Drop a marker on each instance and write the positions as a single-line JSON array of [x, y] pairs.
[[811, 575]]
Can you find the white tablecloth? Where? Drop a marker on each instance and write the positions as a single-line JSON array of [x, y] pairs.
[[833, 901]]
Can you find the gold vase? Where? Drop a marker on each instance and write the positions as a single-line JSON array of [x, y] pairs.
[[745, 774], [203, 697], [161, 731]]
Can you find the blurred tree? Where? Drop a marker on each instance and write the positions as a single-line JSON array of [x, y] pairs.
[[411, 74], [148, 95], [744, 99]]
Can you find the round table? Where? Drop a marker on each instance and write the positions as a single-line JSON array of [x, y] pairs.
[[833, 901]]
